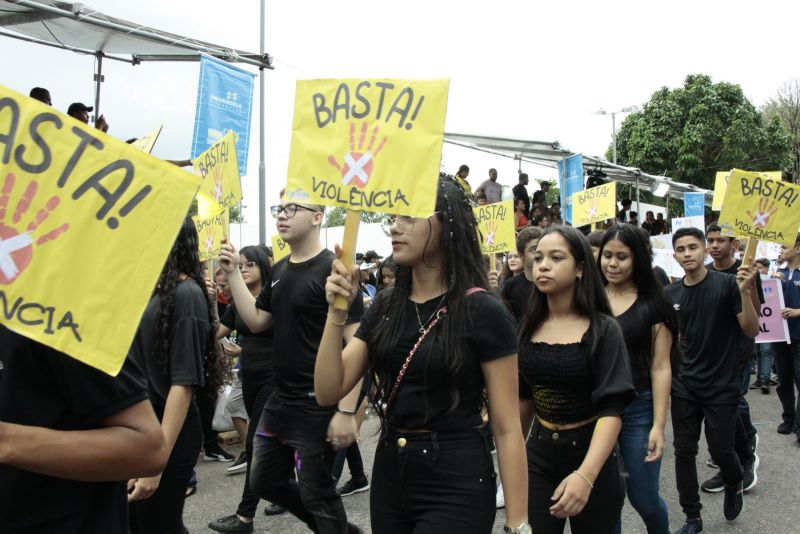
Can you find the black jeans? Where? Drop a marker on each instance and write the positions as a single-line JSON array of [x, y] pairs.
[[206, 405], [552, 456], [354, 461], [162, 513], [720, 425], [429, 482], [291, 438], [257, 386]]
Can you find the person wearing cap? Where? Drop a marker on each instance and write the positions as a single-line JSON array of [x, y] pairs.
[[80, 111], [371, 256], [41, 94]]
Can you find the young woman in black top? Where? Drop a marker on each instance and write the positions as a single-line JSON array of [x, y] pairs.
[[174, 346], [572, 355], [256, 374], [433, 471], [649, 326]]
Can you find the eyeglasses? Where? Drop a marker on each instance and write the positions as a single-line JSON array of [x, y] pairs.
[[248, 265], [289, 209], [404, 224]]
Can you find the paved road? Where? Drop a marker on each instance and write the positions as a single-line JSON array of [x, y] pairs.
[[770, 508]]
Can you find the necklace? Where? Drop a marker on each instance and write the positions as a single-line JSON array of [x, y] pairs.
[[419, 319], [629, 291]]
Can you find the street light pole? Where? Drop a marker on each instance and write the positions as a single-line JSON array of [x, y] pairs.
[[628, 109]]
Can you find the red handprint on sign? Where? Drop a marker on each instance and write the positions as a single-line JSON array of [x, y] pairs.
[[16, 246], [358, 162], [766, 209], [217, 175]]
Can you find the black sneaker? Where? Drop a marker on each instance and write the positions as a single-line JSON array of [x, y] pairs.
[[765, 389], [692, 526], [216, 454], [785, 428], [230, 523], [756, 385], [240, 465], [274, 509], [734, 501], [713, 484], [354, 485], [750, 472]]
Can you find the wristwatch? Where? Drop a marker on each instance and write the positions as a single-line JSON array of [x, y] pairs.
[[524, 528]]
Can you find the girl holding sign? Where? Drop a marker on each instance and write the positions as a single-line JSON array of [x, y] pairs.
[[572, 355], [650, 328], [433, 345], [174, 347]]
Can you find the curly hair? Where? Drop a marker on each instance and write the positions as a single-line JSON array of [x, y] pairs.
[[184, 258], [461, 269]]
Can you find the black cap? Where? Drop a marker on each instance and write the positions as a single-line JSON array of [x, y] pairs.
[[371, 255], [77, 107]]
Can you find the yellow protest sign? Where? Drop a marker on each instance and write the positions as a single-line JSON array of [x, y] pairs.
[[497, 225], [594, 204], [219, 170], [148, 140], [211, 229], [721, 186], [758, 206], [86, 222], [280, 248], [369, 145]]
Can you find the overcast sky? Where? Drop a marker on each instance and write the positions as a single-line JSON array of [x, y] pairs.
[[518, 69]]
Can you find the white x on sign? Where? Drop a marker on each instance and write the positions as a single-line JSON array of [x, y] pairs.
[[7, 246], [761, 218], [356, 168]]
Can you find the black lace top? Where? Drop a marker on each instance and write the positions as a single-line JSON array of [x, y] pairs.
[[571, 383]]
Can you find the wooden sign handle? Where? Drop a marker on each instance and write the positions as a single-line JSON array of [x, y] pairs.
[[351, 222], [750, 252]]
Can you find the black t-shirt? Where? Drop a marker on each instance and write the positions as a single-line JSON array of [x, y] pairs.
[[256, 348], [572, 383], [748, 344], [516, 293], [189, 331], [422, 402], [637, 327], [711, 339], [42, 387], [295, 296]]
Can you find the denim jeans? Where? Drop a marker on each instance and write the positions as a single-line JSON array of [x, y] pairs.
[[720, 424], [429, 482], [766, 357], [552, 456], [642, 478], [744, 438], [291, 438], [354, 461], [787, 362]]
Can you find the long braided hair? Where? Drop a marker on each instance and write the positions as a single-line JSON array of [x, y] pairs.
[[185, 258], [461, 269]]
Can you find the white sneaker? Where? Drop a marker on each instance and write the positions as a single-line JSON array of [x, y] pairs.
[[500, 498]]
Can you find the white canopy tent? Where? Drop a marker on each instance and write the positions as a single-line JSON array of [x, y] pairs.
[[550, 154], [81, 29]]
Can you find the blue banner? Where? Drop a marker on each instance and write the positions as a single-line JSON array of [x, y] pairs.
[[224, 102], [570, 181], [694, 204]]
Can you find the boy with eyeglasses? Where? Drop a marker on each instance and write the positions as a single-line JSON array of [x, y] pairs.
[[296, 434]]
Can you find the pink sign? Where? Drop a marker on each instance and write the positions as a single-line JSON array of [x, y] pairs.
[[772, 326]]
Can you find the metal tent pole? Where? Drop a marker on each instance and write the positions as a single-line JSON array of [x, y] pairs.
[[262, 180], [98, 79]]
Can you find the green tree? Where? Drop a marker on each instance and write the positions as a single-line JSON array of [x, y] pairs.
[[335, 217], [694, 131], [785, 108]]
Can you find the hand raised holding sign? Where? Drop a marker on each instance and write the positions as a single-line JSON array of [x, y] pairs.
[[341, 283], [228, 257], [745, 278]]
